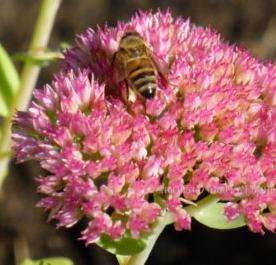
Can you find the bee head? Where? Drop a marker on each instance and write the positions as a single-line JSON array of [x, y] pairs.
[[132, 44], [131, 39]]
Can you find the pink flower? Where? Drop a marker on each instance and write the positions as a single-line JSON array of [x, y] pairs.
[[210, 128]]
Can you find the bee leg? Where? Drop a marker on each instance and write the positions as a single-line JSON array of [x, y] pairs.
[[132, 95], [113, 59], [125, 91], [129, 94], [112, 64]]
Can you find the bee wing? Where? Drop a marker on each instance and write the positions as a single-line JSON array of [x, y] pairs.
[[161, 66], [117, 72]]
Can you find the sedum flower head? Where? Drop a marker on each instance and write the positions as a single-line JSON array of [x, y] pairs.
[[210, 129]]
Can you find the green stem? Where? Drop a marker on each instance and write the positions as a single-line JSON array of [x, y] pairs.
[[29, 75], [141, 258]]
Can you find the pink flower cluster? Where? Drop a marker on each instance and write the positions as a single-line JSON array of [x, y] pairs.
[[209, 130]]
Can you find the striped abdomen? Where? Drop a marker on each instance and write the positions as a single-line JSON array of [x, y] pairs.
[[142, 77]]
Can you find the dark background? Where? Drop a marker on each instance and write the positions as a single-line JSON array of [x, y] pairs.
[[23, 228]]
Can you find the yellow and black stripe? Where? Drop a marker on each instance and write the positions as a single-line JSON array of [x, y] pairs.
[[142, 76]]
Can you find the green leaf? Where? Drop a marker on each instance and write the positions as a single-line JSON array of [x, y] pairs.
[[124, 246], [48, 261], [38, 58], [9, 82], [210, 212], [65, 45]]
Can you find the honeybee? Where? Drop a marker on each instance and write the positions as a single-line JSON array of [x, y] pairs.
[[136, 65]]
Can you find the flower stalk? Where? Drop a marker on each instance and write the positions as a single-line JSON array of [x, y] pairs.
[[29, 75], [163, 221], [142, 257]]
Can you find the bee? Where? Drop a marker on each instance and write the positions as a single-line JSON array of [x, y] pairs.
[[136, 65]]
